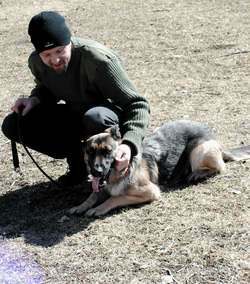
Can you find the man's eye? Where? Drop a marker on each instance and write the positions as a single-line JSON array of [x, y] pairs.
[[46, 55], [61, 50]]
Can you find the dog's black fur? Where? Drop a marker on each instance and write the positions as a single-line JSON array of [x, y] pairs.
[[169, 148]]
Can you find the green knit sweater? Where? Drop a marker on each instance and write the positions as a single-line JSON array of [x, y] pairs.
[[94, 76]]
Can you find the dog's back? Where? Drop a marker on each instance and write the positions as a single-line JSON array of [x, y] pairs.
[[173, 148]]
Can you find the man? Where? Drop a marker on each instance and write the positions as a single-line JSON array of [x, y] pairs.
[[96, 94]]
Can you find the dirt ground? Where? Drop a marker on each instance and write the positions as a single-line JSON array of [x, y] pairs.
[[191, 60]]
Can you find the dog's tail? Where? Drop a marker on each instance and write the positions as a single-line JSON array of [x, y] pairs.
[[236, 154]]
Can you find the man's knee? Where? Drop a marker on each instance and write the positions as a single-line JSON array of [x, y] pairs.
[[98, 119], [9, 126]]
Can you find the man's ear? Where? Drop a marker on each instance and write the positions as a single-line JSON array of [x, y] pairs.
[[114, 131]]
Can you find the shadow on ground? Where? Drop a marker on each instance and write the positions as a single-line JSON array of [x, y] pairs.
[[33, 212]]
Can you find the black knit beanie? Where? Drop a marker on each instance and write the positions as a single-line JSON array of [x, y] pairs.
[[48, 30]]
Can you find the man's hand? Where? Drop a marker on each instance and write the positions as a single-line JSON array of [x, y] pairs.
[[24, 105], [123, 157]]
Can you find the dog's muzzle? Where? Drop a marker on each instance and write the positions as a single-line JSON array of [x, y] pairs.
[[99, 172], [99, 177]]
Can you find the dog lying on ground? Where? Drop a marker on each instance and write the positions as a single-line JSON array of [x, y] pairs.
[[177, 152]]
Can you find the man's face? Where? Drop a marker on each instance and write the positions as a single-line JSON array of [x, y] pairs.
[[57, 58]]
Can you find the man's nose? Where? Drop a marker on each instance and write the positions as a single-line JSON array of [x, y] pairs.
[[55, 60]]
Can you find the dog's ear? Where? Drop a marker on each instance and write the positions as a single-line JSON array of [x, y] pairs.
[[114, 131]]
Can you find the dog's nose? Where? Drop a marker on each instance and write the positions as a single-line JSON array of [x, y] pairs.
[[98, 171]]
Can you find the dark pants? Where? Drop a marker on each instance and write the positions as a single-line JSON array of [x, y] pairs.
[[57, 131]]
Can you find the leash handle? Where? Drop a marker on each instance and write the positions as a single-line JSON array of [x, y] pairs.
[[15, 156]]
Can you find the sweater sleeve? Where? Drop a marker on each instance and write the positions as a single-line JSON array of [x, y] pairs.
[[114, 84]]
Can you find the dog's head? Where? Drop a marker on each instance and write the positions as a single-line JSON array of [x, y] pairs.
[[100, 152]]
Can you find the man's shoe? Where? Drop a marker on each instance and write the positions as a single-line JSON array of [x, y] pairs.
[[71, 179], [77, 172]]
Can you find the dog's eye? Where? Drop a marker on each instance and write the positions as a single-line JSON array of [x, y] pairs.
[[109, 149], [106, 151]]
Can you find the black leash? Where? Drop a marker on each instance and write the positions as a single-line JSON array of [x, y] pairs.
[[15, 156], [15, 153]]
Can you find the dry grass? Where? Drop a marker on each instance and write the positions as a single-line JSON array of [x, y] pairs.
[[191, 60]]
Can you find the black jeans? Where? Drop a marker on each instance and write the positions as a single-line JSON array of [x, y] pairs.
[[56, 131]]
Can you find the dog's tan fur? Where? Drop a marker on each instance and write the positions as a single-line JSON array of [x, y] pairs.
[[123, 192], [206, 159]]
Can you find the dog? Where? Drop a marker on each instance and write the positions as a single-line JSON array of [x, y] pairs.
[[178, 152]]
